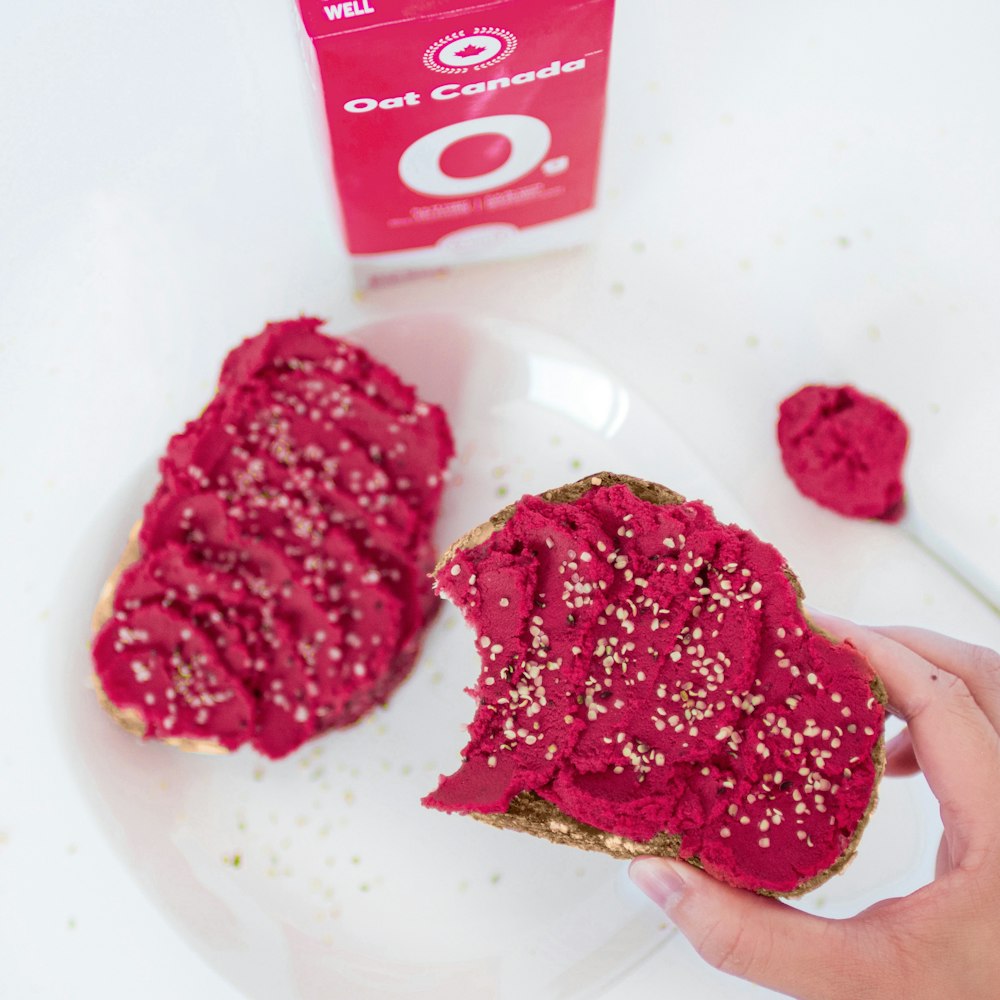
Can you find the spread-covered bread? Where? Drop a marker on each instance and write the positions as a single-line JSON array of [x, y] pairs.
[[650, 685], [277, 586]]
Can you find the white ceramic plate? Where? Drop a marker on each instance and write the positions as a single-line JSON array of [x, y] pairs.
[[322, 875]]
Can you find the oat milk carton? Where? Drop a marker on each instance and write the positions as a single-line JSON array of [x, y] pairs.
[[461, 131]]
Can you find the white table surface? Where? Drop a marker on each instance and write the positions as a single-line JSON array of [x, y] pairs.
[[793, 191]]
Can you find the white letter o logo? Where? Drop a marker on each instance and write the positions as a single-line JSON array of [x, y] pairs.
[[360, 105], [420, 165]]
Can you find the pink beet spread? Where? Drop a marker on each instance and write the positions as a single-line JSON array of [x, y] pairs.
[[282, 587], [646, 669], [844, 450]]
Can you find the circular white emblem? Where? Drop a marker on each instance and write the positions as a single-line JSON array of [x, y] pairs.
[[463, 51], [420, 165]]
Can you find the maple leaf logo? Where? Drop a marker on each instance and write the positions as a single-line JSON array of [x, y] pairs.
[[470, 51]]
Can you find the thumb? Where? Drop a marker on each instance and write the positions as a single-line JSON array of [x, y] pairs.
[[751, 936]]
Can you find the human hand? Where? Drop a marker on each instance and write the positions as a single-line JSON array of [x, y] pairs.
[[940, 941]]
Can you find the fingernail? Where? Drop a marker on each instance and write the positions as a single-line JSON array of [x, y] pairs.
[[812, 612], [658, 879], [832, 624], [897, 744]]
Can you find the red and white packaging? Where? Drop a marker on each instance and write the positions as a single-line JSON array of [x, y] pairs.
[[461, 131]]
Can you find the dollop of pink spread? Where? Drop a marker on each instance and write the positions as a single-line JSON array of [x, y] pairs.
[[648, 669], [845, 450], [282, 586]]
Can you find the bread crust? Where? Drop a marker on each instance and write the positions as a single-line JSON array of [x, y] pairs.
[[528, 812], [128, 718]]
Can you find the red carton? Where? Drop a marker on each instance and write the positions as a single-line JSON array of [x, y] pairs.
[[461, 131]]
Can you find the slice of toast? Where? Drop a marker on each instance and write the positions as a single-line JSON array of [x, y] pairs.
[[128, 718], [530, 812], [276, 586]]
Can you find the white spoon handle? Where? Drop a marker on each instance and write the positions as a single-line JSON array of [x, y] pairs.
[[944, 553]]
